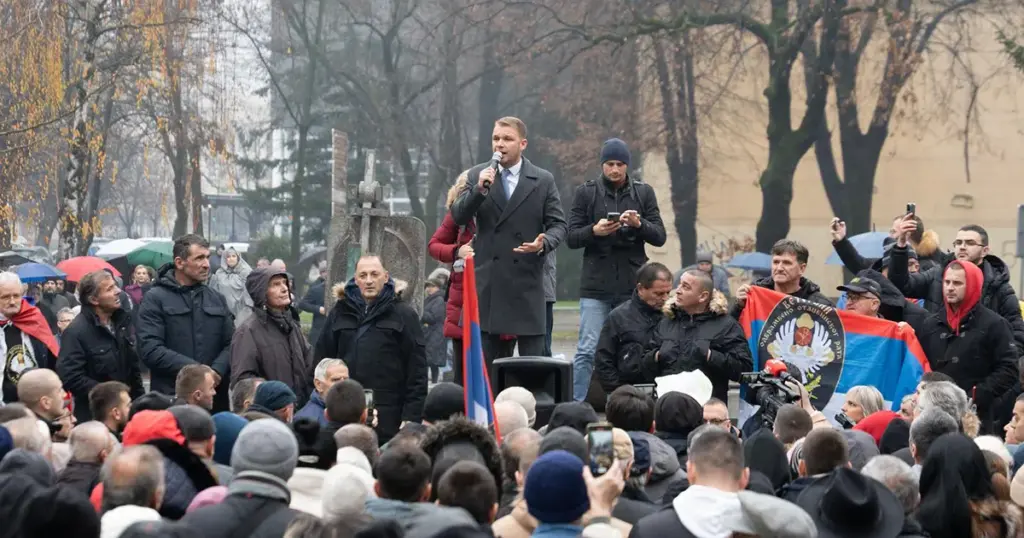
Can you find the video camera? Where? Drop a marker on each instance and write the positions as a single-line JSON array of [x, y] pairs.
[[769, 390]]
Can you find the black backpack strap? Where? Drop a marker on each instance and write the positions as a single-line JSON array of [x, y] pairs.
[[267, 509]]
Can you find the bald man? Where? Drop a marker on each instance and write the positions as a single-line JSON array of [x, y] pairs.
[[134, 477], [91, 443], [42, 392], [510, 416]]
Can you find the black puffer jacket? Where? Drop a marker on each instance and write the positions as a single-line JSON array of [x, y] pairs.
[[626, 337], [982, 359], [270, 344], [91, 354], [180, 325], [383, 345], [685, 341], [997, 293], [610, 263], [808, 291]]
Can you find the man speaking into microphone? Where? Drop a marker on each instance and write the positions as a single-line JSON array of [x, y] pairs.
[[519, 219]]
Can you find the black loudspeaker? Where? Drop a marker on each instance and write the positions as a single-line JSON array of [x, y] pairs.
[[548, 379]]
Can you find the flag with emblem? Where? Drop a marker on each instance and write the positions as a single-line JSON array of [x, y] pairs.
[[479, 400], [834, 350]]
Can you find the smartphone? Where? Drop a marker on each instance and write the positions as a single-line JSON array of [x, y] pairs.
[[600, 448], [368, 393], [614, 216], [911, 208], [835, 224]]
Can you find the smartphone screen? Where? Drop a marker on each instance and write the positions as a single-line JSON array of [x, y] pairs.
[[369, 398], [602, 453], [614, 216]]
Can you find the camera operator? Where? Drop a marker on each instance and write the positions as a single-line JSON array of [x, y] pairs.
[[699, 334], [794, 392]]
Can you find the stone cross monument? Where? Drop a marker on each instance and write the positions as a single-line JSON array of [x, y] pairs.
[[362, 223]]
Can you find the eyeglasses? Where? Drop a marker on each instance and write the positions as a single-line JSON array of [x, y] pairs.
[[967, 243], [716, 421]]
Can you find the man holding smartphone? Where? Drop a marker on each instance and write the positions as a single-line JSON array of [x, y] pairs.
[[612, 219]]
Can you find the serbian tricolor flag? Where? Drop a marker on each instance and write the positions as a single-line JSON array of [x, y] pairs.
[[479, 400], [835, 350]]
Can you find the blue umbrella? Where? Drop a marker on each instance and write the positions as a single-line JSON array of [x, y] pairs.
[[751, 261], [868, 245], [38, 272]]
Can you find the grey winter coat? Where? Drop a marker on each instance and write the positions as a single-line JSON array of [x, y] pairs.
[[230, 282]]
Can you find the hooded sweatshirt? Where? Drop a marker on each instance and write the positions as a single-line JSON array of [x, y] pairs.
[[270, 343], [115, 521], [710, 513], [975, 279], [230, 282]]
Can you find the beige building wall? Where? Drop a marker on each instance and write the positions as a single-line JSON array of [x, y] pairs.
[[923, 160]]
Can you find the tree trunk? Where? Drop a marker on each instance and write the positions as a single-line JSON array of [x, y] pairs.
[[487, 104], [449, 140], [73, 190], [776, 196], [297, 181], [89, 213], [6, 205]]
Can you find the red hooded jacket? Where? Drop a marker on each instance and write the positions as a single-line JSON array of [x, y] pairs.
[[975, 279]]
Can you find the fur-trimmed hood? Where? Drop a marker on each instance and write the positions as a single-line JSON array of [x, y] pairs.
[[719, 304], [462, 430], [338, 290], [929, 244]]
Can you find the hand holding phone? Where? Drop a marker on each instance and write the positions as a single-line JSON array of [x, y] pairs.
[[600, 447], [368, 394], [614, 216]]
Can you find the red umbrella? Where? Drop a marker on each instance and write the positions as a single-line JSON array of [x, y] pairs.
[[78, 267]]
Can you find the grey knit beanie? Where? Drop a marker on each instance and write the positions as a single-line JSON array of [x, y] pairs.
[[268, 446]]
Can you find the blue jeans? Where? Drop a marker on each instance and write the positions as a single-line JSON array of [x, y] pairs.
[[593, 313]]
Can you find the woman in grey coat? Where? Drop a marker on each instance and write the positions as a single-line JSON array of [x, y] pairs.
[[230, 282]]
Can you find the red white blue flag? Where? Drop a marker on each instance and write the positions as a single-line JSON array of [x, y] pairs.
[[479, 400], [835, 350]]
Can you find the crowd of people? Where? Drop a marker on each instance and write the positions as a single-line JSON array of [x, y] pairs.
[[192, 402]]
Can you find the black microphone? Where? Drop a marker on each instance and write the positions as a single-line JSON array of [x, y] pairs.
[[495, 160]]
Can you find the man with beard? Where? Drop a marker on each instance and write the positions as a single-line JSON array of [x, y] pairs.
[[380, 339], [27, 341], [99, 345], [969, 342], [629, 332], [182, 321], [110, 404], [789, 261], [970, 246], [613, 219]]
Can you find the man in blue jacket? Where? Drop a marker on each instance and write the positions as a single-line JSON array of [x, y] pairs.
[[328, 372]]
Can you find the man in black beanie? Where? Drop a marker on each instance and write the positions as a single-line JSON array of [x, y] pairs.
[[612, 219]]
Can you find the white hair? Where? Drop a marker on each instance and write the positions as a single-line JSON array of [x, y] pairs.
[[10, 277], [28, 434], [944, 395], [869, 398], [321, 368], [995, 445], [898, 477]]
